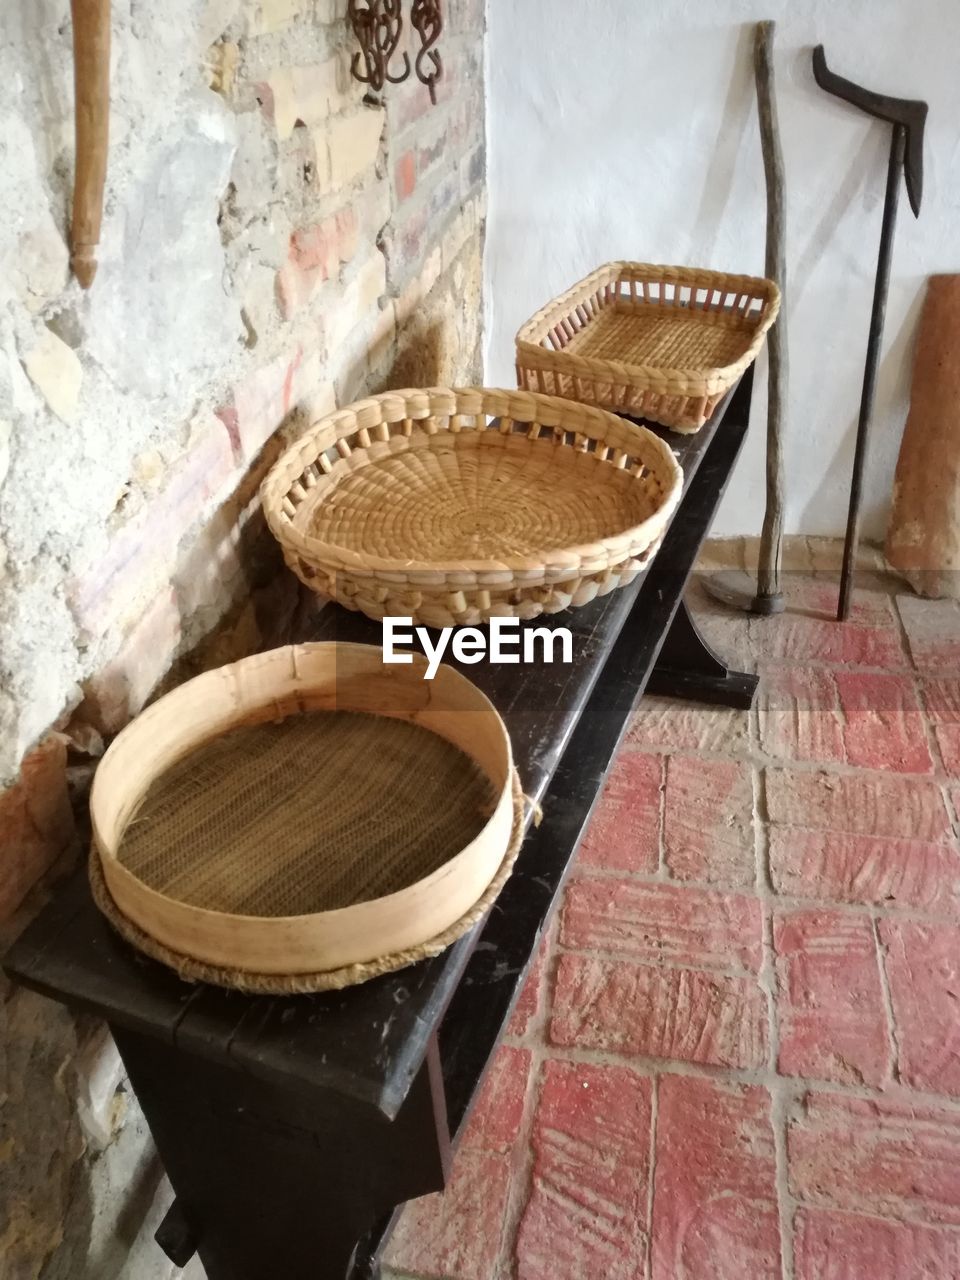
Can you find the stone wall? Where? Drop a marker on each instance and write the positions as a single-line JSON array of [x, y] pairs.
[[274, 242]]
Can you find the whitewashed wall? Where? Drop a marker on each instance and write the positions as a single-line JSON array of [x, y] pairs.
[[620, 129]]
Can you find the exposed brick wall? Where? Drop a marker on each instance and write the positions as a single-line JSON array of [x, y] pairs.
[[351, 237], [275, 242]]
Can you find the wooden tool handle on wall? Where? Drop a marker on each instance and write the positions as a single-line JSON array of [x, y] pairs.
[[91, 58], [771, 541]]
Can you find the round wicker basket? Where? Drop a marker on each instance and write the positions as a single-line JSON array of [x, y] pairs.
[[305, 818], [455, 506]]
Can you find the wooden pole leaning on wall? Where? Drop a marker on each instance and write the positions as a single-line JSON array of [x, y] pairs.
[[91, 61], [736, 588], [769, 597]]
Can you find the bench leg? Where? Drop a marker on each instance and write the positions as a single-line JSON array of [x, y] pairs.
[[271, 1181], [689, 668]]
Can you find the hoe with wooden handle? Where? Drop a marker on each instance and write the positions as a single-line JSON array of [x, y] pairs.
[[908, 117], [733, 587]]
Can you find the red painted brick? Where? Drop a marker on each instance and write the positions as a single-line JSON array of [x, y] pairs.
[[871, 638], [816, 596], [869, 869], [708, 821], [659, 1012], [35, 821], [715, 1205], [316, 254], [886, 1155], [533, 993], [316, 249], [799, 714], [624, 834], [670, 724], [933, 634], [405, 175], [587, 1211], [843, 1246], [263, 400], [942, 699], [456, 1233], [498, 1112], [662, 922], [833, 1024], [312, 259], [923, 968], [873, 805], [883, 728]]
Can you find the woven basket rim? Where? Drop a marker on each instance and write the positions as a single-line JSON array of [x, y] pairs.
[[619, 371], [566, 413], [317, 676], [190, 969]]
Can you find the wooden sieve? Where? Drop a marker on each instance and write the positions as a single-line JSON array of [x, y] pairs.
[[303, 811]]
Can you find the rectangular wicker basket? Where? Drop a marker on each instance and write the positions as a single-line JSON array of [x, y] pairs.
[[662, 343]]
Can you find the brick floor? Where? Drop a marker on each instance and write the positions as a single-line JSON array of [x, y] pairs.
[[798, 709], [830, 997], [933, 634], [625, 832], [844, 1246], [737, 1055], [894, 1157], [923, 968], [715, 1202], [883, 725], [708, 831], [660, 1012], [586, 1214], [835, 866], [942, 699], [644, 920]]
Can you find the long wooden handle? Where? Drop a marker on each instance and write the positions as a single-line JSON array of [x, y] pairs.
[[91, 57], [771, 541]]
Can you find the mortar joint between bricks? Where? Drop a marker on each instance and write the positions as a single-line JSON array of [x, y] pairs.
[[782, 1099], [940, 770], [652, 1172], [892, 1034], [521, 1174], [769, 983], [663, 871], [761, 1077]]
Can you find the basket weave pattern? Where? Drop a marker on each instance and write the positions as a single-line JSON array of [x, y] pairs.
[[662, 343], [193, 970], [305, 818], [455, 506]]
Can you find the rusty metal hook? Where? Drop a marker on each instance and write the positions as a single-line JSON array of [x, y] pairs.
[[378, 25], [426, 19]]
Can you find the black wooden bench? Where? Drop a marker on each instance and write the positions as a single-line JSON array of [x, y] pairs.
[[293, 1128]]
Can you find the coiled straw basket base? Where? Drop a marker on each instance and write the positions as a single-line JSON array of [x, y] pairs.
[[456, 506]]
